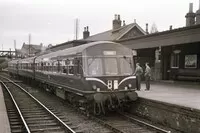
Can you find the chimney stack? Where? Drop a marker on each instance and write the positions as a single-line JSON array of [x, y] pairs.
[[170, 27], [117, 22], [118, 17], [198, 15], [86, 32], [124, 23], [190, 16], [191, 8], [147, 28]]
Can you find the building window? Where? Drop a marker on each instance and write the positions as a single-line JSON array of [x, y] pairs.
[[191, 61], [175, 60]]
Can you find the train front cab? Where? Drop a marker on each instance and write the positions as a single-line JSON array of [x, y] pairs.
[[108, 72]]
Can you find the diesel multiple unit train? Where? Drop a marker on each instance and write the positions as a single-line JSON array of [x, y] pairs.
[[96, 76]]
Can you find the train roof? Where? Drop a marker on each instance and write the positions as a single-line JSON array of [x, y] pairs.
[[74, 50], [13, 61], [27, 60]]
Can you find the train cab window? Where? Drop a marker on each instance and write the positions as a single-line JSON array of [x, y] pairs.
[[111, 66], [126, 66], [95, 66]]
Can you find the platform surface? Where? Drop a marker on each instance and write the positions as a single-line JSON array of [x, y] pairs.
[[183, 94], [4, 122]]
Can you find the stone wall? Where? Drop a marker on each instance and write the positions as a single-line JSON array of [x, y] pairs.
[[179, 118]]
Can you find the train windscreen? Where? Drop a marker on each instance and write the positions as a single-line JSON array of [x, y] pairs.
[[95, 66], [126, 65], [109, 66]]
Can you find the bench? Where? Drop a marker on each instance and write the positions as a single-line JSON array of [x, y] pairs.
[[188, 74]]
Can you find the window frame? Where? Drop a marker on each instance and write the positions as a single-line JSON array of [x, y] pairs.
[[195, 62], [173, 56]]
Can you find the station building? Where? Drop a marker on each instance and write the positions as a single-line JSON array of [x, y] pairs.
[[29, 50], [119, 31], [172, 54]]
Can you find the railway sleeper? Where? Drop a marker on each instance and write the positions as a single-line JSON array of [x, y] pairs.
[[39, 118], [47, 129], [34, 115], [15, 123], [36, 125], [17, 130]]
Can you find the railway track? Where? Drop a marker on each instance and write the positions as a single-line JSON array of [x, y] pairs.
[[30, 115], [124, 123]]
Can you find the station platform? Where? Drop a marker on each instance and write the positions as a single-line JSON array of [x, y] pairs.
[[4, 122], [184, 94]]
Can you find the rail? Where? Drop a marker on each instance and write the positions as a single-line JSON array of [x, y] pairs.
[[160, 130], [18, 110], [66, 127]]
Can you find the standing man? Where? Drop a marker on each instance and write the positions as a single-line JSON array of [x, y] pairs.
[[147, 76], [138, 73]]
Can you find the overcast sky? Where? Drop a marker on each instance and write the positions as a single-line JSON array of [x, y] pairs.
[[52, 21]]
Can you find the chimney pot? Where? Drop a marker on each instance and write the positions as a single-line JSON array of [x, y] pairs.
[[147, 28], [199, 4], [116, 22], [198, 15], [191, 8], [190, 16], [86, 32], [170, 27], [124, 23], [134, 20], [115, 16], [118, 17]]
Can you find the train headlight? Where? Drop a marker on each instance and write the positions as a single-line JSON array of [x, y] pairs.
[[115, 84], [125, 88], [98, 89], [129, 85], [94, 87]]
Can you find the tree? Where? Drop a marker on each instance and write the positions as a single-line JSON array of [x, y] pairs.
[[154, 28]]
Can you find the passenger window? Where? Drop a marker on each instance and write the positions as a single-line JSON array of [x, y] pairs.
[[79, 66], [71, 70]]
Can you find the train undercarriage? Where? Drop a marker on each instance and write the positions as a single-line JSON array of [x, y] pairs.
[[96, 103]]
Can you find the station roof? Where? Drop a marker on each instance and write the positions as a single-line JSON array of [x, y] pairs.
[[166, 38], [117, 34]]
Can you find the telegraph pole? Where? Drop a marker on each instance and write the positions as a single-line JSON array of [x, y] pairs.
[[29, 43], [76, 28], [15, 48]]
